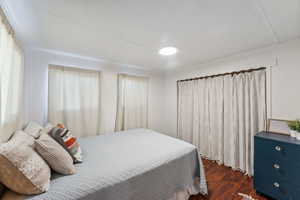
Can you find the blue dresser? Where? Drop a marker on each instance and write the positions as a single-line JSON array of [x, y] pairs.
[[277, 166]]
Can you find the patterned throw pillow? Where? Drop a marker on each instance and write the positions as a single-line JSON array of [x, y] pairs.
[[64, 137], [55, 155], [22, 170]]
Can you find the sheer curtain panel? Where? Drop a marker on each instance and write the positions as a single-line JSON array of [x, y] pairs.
[[11, 81], [74, 99], [221, 115], [132, 109]]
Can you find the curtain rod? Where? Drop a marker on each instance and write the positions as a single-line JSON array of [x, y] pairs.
[[223, 74], [72, 68]]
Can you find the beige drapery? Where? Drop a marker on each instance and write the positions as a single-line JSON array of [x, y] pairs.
[[11, 80], [74, 99], [221, 115], [132, 108]]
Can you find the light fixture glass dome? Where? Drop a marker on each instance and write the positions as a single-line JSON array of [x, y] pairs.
[[167, 51]]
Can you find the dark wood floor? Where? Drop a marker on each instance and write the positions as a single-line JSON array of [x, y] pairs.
[[225, 184]]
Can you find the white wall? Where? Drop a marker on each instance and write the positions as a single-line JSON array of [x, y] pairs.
[[36, 83], [284, 95]]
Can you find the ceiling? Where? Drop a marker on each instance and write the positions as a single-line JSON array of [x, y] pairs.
[[132, 31]]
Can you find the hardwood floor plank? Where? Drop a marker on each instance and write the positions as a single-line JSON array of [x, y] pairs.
[[225, 184]]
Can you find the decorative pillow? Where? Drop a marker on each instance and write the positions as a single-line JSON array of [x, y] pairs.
[[64, 137], [45, 130], [55, 155], [33, 129], [48, 127], [22, 170]]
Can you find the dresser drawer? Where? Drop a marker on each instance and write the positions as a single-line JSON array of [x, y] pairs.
[[275, 150], [277, 166], [279, 190], [278, 169]]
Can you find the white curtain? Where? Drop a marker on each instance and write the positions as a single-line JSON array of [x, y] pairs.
[[132, 110], [74, 99], [11, 81], [221, 115]]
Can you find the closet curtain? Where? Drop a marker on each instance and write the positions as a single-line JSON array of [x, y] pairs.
[[221, 115], [11, 81], [74, 99], [132, 109]]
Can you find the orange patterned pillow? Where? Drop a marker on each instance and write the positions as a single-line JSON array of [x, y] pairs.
[[64, 137]]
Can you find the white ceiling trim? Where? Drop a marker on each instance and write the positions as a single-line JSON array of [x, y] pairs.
[[87, 58], [238, 56], [9, 14]]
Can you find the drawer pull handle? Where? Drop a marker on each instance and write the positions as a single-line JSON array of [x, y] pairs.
[[278, 148], [276, 166], [276, 185]]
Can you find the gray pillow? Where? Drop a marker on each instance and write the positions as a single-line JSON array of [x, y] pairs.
[[55, 155]]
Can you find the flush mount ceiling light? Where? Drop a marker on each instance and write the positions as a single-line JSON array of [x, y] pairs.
[[168, 51]]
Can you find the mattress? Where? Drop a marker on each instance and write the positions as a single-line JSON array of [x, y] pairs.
[[130, 165]]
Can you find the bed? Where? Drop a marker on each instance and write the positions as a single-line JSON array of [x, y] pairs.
[[138, 164]]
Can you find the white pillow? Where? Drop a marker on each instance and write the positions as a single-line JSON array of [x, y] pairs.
[[33, 129], [48, 127]]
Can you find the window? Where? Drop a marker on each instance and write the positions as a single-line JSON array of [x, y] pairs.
[[132, 111], [74, 99], [11, 80]]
